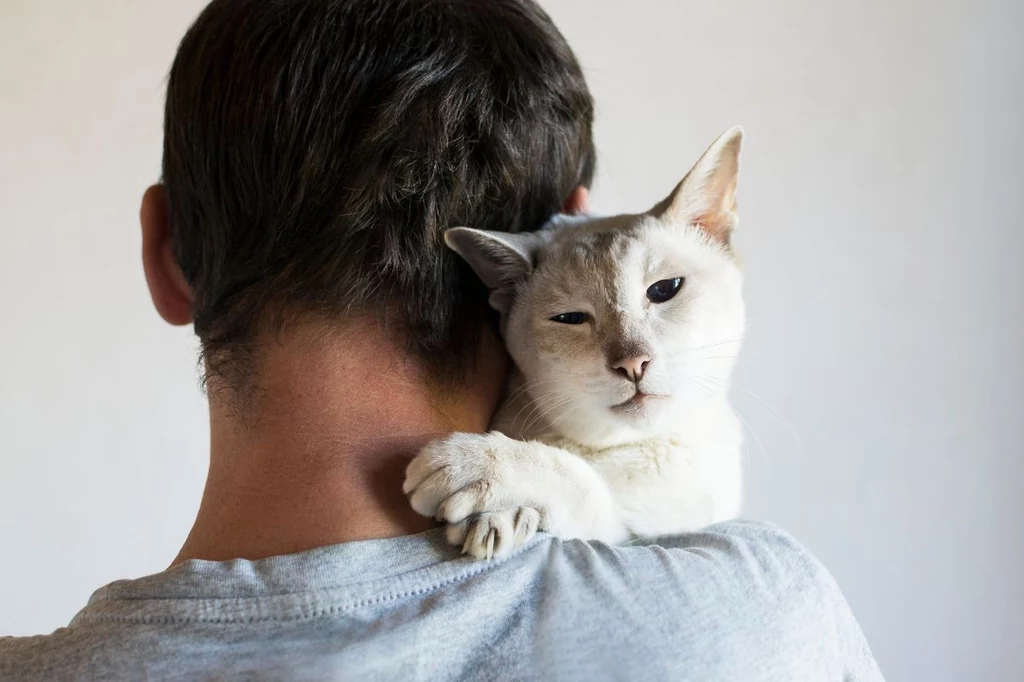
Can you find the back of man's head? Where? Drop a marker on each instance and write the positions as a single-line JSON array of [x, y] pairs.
[[316, 150]]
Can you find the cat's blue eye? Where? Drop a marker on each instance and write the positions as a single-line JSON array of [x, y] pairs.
[[663, 290], [571, 318]]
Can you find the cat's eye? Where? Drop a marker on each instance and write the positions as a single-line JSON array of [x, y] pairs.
[[571, 318], [663, 290]]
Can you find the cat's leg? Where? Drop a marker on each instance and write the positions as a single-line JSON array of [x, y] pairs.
[[665, 486], [495, 492]]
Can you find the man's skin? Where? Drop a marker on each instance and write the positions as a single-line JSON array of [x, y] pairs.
[[319, 457]]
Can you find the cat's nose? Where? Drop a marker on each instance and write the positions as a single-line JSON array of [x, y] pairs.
[[633, 367]]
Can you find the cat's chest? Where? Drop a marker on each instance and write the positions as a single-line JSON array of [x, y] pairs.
[[648, 455], [667, 484]]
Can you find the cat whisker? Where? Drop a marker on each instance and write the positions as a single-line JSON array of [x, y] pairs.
[[739, 415], [546, 411], [529, 386], [534, 407], [779, 419], [539, 406], [713, 345], [558, 420], [531, 401]]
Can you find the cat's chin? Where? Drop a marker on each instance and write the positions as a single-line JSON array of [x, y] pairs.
[[614, 425], [640, 405]]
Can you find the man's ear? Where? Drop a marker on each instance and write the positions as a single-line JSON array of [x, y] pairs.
[[171, 294], [577, 202], [498, 258], [706, 197]]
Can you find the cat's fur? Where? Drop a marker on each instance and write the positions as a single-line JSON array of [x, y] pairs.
[[574, 451]]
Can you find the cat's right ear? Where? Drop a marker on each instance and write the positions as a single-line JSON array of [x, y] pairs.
[[707, 195], [499, 259]]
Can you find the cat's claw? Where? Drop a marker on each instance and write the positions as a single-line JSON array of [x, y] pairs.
[[492, 535]]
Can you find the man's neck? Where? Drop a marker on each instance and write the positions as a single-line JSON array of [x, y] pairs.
[[321, 458]]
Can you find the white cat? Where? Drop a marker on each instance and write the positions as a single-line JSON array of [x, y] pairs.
[[624, 331]]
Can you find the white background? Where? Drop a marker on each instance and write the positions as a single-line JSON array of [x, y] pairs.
[[882, 222]]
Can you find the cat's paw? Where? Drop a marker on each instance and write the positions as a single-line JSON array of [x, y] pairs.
[[491, 535], [479, 484]]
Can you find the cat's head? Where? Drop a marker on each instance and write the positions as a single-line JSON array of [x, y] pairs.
[[621, 324]]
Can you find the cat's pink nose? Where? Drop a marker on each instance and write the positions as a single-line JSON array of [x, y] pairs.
[[632, 368]]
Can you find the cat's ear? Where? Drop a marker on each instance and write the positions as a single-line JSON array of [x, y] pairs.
[[706, 197], [499, 259]]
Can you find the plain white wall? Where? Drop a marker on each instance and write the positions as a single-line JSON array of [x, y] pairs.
[[882, 230]]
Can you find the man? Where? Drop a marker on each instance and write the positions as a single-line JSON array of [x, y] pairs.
[[314, 152]]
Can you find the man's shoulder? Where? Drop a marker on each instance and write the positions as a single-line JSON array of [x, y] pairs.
[[741, 548], [736, 560], [92, 649], [729, 601], [33, 658], [755, 535], [675, 607]]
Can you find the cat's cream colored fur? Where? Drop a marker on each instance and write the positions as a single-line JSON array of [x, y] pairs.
[[618, 426]]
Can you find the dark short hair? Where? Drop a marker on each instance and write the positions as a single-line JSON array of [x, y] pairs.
[[316, 150]]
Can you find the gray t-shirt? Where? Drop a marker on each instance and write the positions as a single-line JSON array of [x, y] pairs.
[[739, 601]]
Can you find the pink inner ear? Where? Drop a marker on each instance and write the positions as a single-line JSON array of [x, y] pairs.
[[718, 229], [706, 197], [719, 221], [717, 224]]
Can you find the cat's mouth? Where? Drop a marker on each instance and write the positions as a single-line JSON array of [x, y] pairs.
[[637, 402]]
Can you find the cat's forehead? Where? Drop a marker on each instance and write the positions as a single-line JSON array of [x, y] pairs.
[[594, 245]]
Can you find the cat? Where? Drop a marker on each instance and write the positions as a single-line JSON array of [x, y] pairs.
[[624, 331]]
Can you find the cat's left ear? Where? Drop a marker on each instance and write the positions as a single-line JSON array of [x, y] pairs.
[[706, 197], [500, 259]]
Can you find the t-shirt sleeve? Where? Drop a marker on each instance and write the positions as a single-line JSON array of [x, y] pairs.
[[767, 598]]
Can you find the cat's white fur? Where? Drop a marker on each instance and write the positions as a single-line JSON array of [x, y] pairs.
[[584, 446]]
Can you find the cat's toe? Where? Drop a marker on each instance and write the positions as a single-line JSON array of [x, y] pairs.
[[492, 535], [427, 497], [475, 498], [456, 533], [489, 535], [526, 523], [443, 468]]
